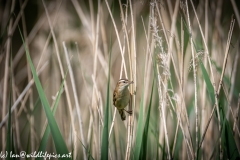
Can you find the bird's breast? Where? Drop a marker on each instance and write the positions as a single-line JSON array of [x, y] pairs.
[[122, 99]]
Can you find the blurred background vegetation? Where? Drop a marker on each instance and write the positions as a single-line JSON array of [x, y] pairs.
[[179, 109]]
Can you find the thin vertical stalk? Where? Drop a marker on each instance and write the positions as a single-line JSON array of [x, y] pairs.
[[95, 51], [16, 20], [29, 79], [163, 109], [31, 36], [16, 122], [75, 99], [118, 38], [194, 77], [123, 64], [223, 71], [237, 115], [161, 21], [6, 74], [175, 138], [236, 11], [95, 39], [213, 81], [169, 58], [220, 85], [170, 43], [208, 57], [162, 91], [233, 78], [182, 59], [205, 64], [133, 77], [61, 70], [21, 96], [226, 54]]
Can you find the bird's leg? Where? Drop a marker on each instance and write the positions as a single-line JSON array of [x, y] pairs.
[[130, 105], [129, 112]]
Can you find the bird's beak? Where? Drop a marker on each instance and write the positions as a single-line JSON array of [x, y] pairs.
[[131, 82]]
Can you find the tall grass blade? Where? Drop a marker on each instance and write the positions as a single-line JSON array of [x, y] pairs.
[[44, 140], [9, 130], [209, 85], [104, 147], [230, 149], [139, 132], [228, 142], [146, 127], [60, 145], [178, 144]]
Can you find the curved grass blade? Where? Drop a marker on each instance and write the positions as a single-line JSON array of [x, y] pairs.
[[44, 140], [60, 145], [88, 151]]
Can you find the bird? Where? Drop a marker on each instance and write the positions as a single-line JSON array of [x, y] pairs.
[[121, 97]]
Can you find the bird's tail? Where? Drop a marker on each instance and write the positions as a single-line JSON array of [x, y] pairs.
[[122, 114]]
